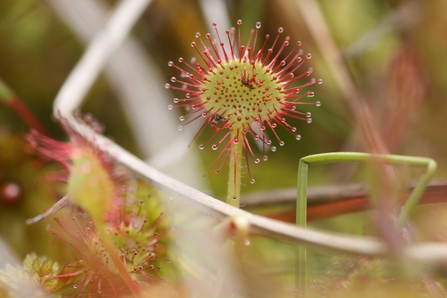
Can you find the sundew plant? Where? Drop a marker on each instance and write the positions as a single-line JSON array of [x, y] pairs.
[[242, 90], [109, 142]]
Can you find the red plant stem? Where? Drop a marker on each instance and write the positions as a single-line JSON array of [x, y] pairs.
[[433, 195], [25, 114]]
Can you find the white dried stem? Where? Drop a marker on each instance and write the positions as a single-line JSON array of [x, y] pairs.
[[81, 79], [137, 82]]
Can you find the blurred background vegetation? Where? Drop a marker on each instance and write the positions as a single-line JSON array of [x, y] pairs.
[[395, 51]]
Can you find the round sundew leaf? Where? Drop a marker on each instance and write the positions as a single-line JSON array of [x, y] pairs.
[[244, 87]]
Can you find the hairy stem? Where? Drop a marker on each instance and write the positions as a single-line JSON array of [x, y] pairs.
[[234, 175]]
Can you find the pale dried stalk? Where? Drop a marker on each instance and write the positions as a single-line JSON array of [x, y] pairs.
[[137, 82], [74, 89]]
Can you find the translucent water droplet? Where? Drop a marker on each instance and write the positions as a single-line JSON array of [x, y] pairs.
[[201, 146], [235, 141], [198, 35], [308, 114], [182, 118], [214, 147], [310, 94], [167, 86], [274, 125], [293, 129], [173, 79], [273, 148], [180, 127], [320, 81], [75, 286], [170, 63], [176, 100], [318, 103], [252, 181], [265, 158], [298, 137], [281, 143], [257, 160], [280, 30], [309, 120], [269, 142], [308, 56], [258, 25], [170, 107]]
